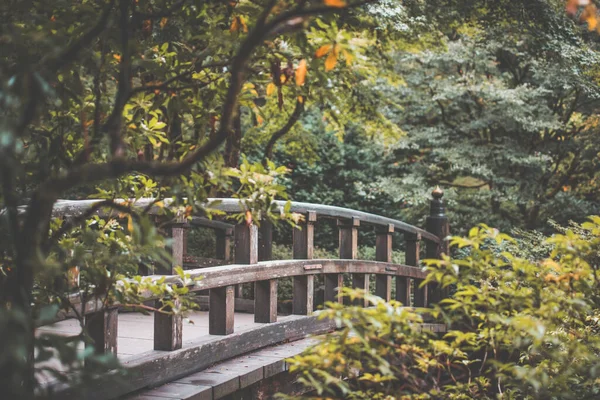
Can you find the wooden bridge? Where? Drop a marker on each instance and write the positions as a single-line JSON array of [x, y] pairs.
[[238, 344]]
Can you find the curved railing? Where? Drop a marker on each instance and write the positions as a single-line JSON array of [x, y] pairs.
[[249, 263]]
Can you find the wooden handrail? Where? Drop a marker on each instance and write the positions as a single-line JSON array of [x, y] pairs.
[[74, 207]]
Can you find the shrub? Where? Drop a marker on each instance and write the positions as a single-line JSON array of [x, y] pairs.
[[516, 329]]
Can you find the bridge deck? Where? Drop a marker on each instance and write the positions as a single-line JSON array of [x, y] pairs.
[[136, 330]]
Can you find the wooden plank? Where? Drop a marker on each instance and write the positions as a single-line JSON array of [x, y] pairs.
[[383, 252], [155, 368], [303, 238], [303, 292], [265, 301], [180, 391], [221, 310], [103, 327], [168, 330], [333, 283], [265, 241]]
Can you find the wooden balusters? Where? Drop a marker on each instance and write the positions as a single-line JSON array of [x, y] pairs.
[[246, 244], [265, 292], [102, 326], [303, 286], [383, 252], [168, 330], [179, 243], [412, 257], [437, 223], [348, 234], [221, 310], [223, 244]]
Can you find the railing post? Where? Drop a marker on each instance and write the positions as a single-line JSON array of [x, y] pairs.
[[179, 243], [223, 245], [221, 310], [411, 257], [246, 247], [348, 231], [303, 249], [438, 224], [265, 292], [102, 326], [168, 330], [383, 252]]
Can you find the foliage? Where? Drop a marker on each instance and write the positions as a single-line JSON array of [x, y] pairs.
[[516, 329]]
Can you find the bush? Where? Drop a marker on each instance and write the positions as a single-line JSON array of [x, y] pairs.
[[516, 329]]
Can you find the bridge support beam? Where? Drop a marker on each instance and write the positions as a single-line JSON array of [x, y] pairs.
[[246, 247], [383, 252]]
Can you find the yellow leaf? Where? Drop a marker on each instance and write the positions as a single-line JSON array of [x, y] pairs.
[[300, 99], [282, 78], [335, 3], [243, 24], [248, 217], [321, 51], [301, 73], [163, 22], [117, 57], [129, 223], [348, 57], [330, 61], [271, 88]]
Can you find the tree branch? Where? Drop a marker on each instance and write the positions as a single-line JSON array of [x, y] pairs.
[[69, 53], [285, 129]]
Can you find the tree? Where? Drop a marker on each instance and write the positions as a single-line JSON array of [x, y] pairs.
[[121, 99], [505, 120]]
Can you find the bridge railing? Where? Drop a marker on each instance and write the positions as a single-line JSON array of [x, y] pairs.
[[252, 264]]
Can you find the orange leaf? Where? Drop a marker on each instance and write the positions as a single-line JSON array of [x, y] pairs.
[[117, 57], [234, 25], [335, 3], [271, 88], [348, 57], [321, 51], [248, 217], [163, 22], [301, 73], [330, 61], [592, 22], [300, 99]]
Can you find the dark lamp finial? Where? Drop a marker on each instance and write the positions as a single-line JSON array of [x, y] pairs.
[[437, 193]]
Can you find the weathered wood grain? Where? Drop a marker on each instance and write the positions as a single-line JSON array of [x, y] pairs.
[[383, 252], [102, 326], [265, 301], [168, 330], [221, 310]]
